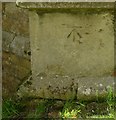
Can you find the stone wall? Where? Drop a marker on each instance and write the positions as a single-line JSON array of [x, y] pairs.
[[16, 47], [58, 60]]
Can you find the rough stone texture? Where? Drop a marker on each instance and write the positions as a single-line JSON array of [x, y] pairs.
[[37, 5], [18, 45], [65, 1], [7, 39], [16, 48], [92, 88], [21, 46], [15, 19], [61, 69], [15, 71], [83, 89], [67, 48]]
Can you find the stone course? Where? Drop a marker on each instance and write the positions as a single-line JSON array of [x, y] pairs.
[[16, 65]]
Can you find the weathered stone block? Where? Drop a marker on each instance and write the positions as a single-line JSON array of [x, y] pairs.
[[7, 39], [18, 45], [15, 19], [69, 45], [15, 70], [16, 48], [97, 87], [21, 46]]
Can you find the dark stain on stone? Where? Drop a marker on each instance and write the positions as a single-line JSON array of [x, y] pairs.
[[3, 8], [30, 78], [49, 86], [29, 53], [87, 33], [72, 78], [91, 88], [38, 49], [25, 51], [100, 30], [27, 83], [34, 89]]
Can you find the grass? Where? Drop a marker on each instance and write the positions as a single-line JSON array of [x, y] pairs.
[[110, 108], [41, 109], [110, 99], [102, 116], [10, 109], [71, 108]]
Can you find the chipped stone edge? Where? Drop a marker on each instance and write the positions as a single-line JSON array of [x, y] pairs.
[[25, 91], [64, 5]]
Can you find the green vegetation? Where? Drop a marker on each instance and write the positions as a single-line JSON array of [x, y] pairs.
[[110, 108], [45, 108], [110, 99], [102, 116], [41, 109], [10, 109], [70, 110]]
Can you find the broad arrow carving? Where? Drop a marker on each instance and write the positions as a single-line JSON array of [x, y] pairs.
[[76, 35]]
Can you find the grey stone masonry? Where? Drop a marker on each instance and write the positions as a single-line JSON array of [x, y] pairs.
[[72, 49]]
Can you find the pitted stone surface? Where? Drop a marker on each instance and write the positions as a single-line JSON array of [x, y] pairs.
[[15, 70], [15, 47], [7, 40], [37, 5], [92, 88], [69, 48], [18, 45], [14, 19], [85, 89]]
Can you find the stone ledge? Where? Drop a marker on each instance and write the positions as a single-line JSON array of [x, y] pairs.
[[66, 5], [86, 91]]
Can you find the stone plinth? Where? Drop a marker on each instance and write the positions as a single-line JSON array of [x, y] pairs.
[[72, 48]]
